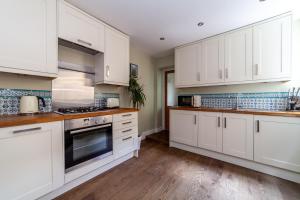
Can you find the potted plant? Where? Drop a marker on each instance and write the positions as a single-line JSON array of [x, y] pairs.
[[136, 92]]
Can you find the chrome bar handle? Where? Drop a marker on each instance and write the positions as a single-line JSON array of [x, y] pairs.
[[127, 131], [84, 42], [219, 122], [127, 138], [257, 126], [107, 71], [27, 130]]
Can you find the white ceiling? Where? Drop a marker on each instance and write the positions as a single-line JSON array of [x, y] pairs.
[[176, 20]]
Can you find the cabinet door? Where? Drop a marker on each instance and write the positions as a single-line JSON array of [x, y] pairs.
[[277, 142], [184, 127], [78, 27], [187, 65], [272, 49], [210, 131], [31, 160], [116, 57], [238, 135], [238, 56], [212, 67], [28, 36]]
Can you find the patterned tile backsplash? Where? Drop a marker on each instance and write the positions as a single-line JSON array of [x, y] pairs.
[[263, 100], [10, 100], [101, 98]]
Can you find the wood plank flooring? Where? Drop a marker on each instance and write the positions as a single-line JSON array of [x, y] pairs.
[[168, 173]]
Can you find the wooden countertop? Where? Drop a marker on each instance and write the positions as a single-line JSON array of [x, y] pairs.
[[241, 111], [17, 120]]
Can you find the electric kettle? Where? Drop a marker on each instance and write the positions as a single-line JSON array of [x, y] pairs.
[[30, 104]]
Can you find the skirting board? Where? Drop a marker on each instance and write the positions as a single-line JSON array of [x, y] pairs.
[[75, 183], [149, 132], [281, 173]]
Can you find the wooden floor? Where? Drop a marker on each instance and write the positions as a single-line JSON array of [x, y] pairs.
[[167, 173], [161, 137]]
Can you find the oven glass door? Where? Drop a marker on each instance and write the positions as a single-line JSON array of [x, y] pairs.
[[87, 143]]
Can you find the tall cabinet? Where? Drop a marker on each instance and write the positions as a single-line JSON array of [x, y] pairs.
[[28, 37]]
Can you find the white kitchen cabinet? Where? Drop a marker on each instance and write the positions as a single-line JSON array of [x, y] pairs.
[[112, 67], [125, 133], [238, 56], [28, 37], [272, 49], [238, 135], [256, 53], [210, 131], [78, 27], [212, 67], [276, 141], [32, 162], [184, 127], [187, 64]]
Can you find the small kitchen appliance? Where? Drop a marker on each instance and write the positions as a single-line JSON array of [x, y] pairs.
[[30, 104], [196, 101], [112, 103]]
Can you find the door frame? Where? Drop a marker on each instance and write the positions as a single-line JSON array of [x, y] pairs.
[[166, 97]]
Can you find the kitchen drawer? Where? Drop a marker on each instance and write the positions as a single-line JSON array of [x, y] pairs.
[[125, 131], [124, 116], [124, 124], [125, 145]]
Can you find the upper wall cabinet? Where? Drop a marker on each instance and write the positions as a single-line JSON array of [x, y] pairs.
[[187, 65], [28, 37], [257, 53], [238, 56], [212, 67], [78, 27], [272, 49], [112, 67]]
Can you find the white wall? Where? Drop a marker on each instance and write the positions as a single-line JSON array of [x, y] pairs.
[[146, 77]]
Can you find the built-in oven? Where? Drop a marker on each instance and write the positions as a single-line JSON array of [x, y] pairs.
[[87, 140]]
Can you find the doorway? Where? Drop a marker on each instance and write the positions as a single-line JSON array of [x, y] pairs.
[[170, 95]]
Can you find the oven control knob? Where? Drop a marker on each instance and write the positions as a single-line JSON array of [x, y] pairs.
[[104, 120]]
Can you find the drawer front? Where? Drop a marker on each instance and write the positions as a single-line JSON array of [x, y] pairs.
[[125, 145], [124, 124], [124, 132], [124, 116]]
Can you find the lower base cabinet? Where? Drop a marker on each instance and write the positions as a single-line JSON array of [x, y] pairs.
[[31, 160], [277, 141], [269, 140], [238, 135], [210, 131], [184, 127], [125, 133]]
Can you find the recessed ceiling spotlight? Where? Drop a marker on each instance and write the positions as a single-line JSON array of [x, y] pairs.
[[262, 0], [162, 38], [200, 24]]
